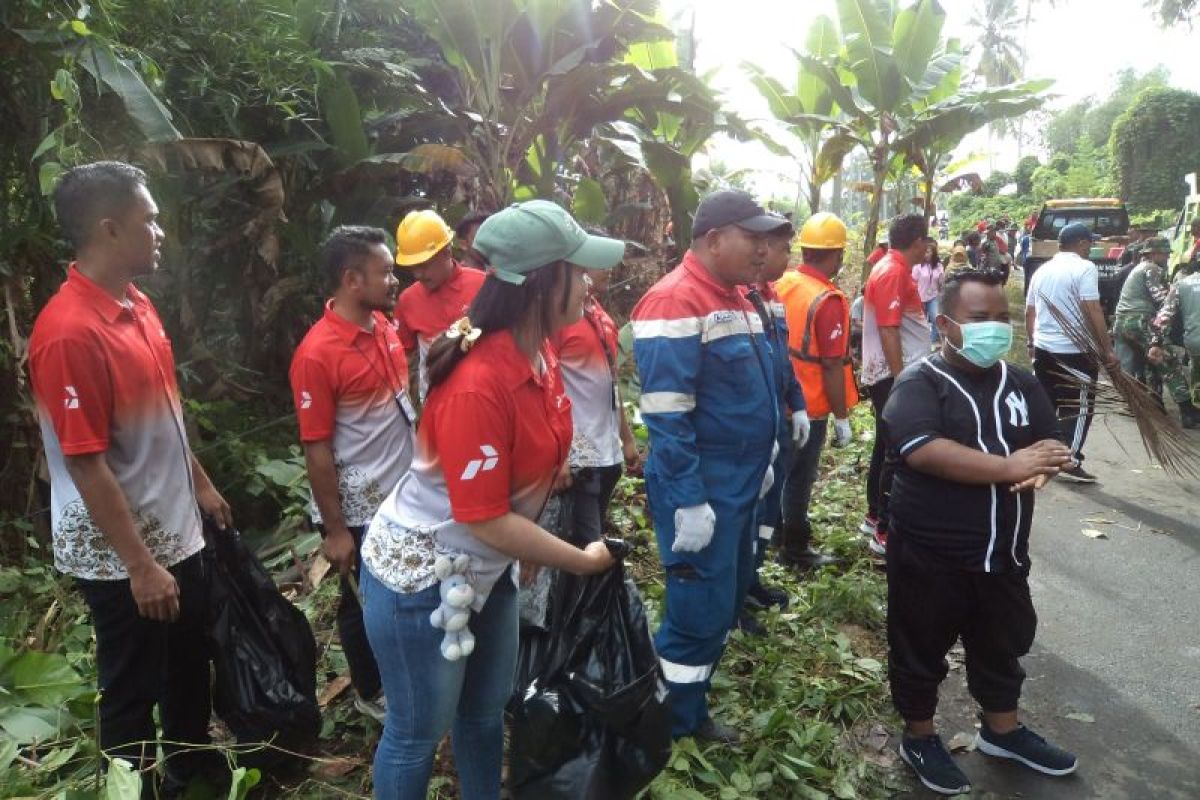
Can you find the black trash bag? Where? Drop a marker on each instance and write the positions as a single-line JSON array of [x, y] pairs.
[[264, 654], [593, 722]]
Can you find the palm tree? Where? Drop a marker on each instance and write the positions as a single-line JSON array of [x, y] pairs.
[[1001, 48], [1002, 53]]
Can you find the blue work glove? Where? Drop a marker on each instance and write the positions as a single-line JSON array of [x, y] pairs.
[[693, 528]]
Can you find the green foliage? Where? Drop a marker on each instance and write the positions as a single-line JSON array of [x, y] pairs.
[[1094, 117], [967, 209], [1154, 144], [1023, 174]]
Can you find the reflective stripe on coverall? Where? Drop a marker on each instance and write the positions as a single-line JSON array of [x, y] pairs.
[[704, 365]]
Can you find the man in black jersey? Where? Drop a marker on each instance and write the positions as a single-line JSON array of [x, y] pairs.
[[972, 438]]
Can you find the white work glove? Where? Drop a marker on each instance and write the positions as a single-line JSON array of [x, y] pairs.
[[841, 432], [800, 427], [693, 528], [768, 482]]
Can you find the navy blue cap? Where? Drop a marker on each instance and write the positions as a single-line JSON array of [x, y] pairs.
[[733, 207], [1076, 232]]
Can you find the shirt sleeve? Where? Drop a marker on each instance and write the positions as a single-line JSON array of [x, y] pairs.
[[913, 412], [1089, 283], [886, 295], [1042, 417], [408, 337], [829, 329], [472, 435], [315, 398], [668, 353], [73, 389]]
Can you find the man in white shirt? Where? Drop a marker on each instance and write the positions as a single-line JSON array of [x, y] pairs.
[[1071, 283]]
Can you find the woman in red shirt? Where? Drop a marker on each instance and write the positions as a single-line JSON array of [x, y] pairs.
[[495, 431]]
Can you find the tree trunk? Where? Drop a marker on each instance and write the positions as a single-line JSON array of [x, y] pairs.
[[814, 195], [835, 202], [872, 232]]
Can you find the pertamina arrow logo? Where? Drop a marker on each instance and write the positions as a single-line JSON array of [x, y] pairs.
[[72, 398], [486, 464], [305, 400]]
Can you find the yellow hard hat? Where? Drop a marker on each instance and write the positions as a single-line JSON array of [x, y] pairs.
[[823, 231], [419, 237]]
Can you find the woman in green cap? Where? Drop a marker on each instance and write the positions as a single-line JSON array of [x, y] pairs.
[[495, 431]]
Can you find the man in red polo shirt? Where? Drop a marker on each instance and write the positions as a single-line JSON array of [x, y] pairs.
[[126, 491], [895, 334], [443, 290], [350, 381]]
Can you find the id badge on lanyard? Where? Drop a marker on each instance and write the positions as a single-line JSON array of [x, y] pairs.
[[406, 407]]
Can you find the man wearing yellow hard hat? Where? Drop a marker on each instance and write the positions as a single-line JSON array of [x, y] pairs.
[[443, 288], [818, 319]]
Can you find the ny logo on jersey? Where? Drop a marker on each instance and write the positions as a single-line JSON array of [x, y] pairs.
[[486, 464], [72, 398], [1018, 410], [305, 400]]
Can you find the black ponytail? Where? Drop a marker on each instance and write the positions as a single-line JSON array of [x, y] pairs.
[[501, 306]]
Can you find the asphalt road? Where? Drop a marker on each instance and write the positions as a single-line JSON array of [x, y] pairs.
[[1118, 642]]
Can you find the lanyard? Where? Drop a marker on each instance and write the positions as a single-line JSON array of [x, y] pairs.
[[389, 370]]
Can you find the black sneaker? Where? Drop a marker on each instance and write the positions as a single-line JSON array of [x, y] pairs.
[[749, 624], [767, 596], [712, 731], [930, 759], [1077, 474], [1027, 747]]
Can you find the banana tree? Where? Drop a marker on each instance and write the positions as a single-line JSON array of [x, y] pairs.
[[535, 78], [823, 146], [890, 79]]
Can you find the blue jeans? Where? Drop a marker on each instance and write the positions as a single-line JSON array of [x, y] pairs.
[[931, 312], [426, 694]]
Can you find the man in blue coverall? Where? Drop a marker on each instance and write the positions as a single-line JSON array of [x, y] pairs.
[[709, 404], [791, 409]]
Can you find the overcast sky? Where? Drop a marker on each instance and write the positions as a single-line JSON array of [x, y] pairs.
[[1081, 44]]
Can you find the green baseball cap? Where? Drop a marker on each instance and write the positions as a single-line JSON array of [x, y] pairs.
[[529, 235], [1156, 244]]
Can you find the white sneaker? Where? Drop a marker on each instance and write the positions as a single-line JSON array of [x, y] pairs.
[[375, 709]]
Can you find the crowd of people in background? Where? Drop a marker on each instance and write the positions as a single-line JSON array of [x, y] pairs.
[[437, 422]]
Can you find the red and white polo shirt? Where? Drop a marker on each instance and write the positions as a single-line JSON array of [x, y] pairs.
[[421, 316], [103, 376], [587, 354], [349, 387], [491, 440]]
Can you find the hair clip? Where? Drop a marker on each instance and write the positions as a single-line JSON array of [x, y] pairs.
[[462, 329]]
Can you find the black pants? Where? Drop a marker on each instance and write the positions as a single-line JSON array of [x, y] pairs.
[[879, 476], [798, 487], [931, 603], [592, 490], [364, 672], [141, 663], [1073, 405]]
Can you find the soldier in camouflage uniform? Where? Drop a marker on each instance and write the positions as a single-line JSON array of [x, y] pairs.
[[1181, 309], [1143, 295]]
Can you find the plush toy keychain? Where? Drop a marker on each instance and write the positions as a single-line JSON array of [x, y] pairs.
[[454, 611]]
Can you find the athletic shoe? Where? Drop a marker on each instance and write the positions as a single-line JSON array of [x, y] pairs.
[[767, 596], [712, 731], [375, 709], [1077, 474], [748, 624], [868, 525], [933, 764], [1027, 747], [878, 542]]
